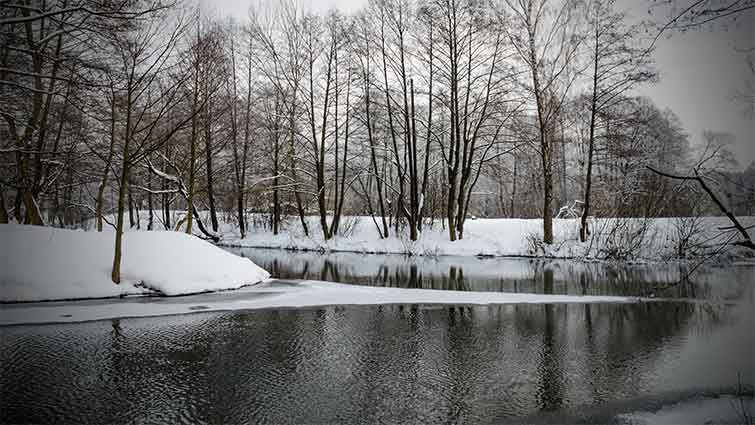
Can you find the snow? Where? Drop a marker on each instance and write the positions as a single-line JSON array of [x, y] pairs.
[[43, 263], [701, 411], [611, 239], [273, 294]]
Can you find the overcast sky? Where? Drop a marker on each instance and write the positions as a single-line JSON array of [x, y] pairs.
[[700, 71]]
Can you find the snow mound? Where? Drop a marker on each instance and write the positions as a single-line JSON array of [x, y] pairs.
[[43, 263]]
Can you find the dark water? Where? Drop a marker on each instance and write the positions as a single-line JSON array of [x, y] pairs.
[[508, 274], [390, 364]]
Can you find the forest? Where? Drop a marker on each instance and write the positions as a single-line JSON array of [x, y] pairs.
[[416, 113]]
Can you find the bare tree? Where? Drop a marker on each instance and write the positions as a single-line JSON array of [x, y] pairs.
[[280, 59], [365, 58], [546, 39], [617, 64], [146, 54], [47, 49]]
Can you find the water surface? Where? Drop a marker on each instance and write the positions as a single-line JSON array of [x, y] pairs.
[[377, 364], [508, 274], [400, 363]]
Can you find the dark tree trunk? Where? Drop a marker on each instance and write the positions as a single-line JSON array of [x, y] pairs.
[[208, 163], [3, 210], [130, 207], [583, 230], [276, 191], [116, 272], [151, 220], [512, 213]]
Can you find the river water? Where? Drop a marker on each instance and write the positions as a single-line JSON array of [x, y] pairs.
[[401, 363]]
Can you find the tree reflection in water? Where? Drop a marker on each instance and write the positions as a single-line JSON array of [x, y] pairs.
[[504, 274], [388, 364]]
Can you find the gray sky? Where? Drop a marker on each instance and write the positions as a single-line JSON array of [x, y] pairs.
[[700, 71]]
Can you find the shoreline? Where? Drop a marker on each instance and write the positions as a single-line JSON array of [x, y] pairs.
[[736, 261]]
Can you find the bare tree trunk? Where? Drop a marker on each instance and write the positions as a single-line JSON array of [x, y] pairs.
[[583, 230], [125, 165], [130, 206], [512, 213], [151, 219], [547, 198], [292, 159], [138, 214], [43, 119], [342, 197], [276, 191], [17, 206], [23, 143], [239, 160], [399, 204], [414, 188], [564, 189], [208, 161], [193, 149], [468, 147], [426, 169], [108, 164], [373, 156], [116, 272], [319, 147], [166, 196], [545, 143], [336, 158], [3, 210], [454, 145], [276, 172]]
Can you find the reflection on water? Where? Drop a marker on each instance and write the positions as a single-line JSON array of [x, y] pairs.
[[377, 364], [504, 274]]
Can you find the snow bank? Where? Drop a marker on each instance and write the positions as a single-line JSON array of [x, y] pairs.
[[43, 263], [622, 239], [723, 410], [275, 294], [619, 239]]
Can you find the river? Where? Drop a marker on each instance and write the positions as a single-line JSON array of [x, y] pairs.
[[535, 363]]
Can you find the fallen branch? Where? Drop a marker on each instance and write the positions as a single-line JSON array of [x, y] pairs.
[[182, 190], [746, 240]]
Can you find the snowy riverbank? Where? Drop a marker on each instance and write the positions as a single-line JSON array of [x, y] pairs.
[[616, 239], [659, 239], [43, 263]]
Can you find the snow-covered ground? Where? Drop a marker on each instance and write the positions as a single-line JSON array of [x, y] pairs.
[[702, 411], [622, 239], [273, 294], [43, 263], [619, 239]]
